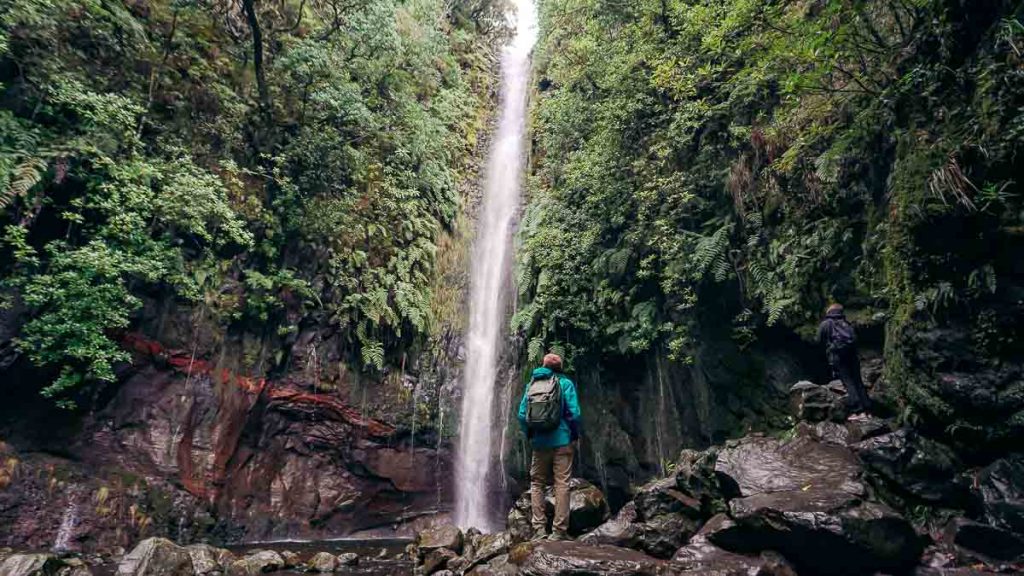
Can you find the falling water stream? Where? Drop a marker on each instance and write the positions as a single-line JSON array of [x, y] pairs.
[[491, 262]]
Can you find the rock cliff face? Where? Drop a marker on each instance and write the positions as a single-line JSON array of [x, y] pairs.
[[188, 450]]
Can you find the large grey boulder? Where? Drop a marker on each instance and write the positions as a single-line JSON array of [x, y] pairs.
[[444, 536], [31, 565], [323, 562], [208, 559], [807, 500], [259, 562], [156, 557]]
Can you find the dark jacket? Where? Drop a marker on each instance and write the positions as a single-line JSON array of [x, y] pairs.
[[825, 331]]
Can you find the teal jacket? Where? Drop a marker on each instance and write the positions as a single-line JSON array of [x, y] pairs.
[[562, 435]]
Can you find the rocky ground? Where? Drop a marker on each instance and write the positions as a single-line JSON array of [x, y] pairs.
[[162, 557], [829, 497]]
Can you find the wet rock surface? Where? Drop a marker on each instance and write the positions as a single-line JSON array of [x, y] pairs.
[[32, 565], [257, 563], [915, 466], [156, 557], [807, 500], [323, 562], [587, 510], [574, 558], [985, 542], [815, 403], [701, 558], [1000, 487], [208, 559], [446, 536]]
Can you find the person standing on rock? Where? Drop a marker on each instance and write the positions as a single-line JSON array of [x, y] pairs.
[[838, 338], [549, 415]]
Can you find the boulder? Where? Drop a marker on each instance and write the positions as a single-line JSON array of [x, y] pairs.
[[259, 562], [459, 565], [624, 530], [156, 557], [587, 510], [348, 559], [208, 559], [985, 542], [291, 559], [914, 466], [806, 499], [499, 566], [1000, 488], [696, 476], [573, 558], [850, 432], [490, 546], [702, 558], [663, 497], [660, 519], [74, 567], [323, 562], [518, 523], [31, 565], [444, 536], [437, 560], [814, 403]]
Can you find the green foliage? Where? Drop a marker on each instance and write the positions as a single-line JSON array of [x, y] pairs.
[[701, 161], [295, 165]]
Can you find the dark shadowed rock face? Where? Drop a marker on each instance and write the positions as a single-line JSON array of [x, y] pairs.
[[984, 542], [975, 399], [574, 558], [915, 466], [1001, 490], [806, 500]]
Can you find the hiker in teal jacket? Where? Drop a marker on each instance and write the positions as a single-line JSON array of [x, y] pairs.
[[552, 453]]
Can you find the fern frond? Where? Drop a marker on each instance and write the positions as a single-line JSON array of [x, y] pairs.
[[24, 177]]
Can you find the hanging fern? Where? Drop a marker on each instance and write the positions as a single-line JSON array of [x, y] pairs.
[[22, 179]]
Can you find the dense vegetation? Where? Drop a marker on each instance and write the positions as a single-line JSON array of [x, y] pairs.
[[743, 161], [268, 164]]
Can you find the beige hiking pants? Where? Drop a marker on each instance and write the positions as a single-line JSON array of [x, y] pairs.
[[548, 464]]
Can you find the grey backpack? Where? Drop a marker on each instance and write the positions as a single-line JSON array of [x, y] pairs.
[[544, 404]]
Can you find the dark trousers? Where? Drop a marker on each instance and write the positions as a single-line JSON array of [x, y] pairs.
[[846, 365]]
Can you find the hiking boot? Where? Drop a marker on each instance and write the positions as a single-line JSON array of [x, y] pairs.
[[538, 534], [559, 536]]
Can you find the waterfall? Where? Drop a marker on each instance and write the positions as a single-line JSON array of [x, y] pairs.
[[67, 525], [491, 262]]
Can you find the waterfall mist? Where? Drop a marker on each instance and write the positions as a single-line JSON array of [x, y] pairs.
[[492, 257]]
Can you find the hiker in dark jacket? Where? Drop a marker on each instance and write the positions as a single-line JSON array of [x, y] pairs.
[[838, 338], [549, 414]]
